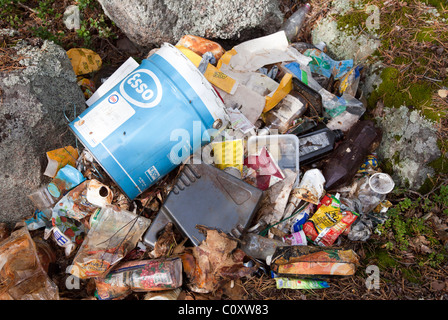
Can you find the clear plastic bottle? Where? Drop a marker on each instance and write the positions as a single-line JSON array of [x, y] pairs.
[[259, 247], [295, 22]]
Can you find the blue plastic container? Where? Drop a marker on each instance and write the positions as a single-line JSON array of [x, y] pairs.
[[150, 122]]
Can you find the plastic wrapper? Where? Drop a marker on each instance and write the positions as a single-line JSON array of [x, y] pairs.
[[200, 45], [261, 170], [328, 222], [238, 121], [301, 217], [256, 53], [322, 64], [311, 187], [115, 233], [87, 86], [163, 295], [67, 228], [295, 239], [310, 284], [59, 158], [39, 220], [350, 81], [211, 73], [140, 276], [371, 164], [22, 276], [313, 262]]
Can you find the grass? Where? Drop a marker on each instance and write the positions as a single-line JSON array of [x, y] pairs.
[[44, 19]]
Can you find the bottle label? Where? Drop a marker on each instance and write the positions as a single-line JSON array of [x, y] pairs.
[[313, 143]]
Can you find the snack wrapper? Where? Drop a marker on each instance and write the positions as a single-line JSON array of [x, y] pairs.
[[328, 222]]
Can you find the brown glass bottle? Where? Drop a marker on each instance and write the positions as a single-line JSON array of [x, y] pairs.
[[362, 139]]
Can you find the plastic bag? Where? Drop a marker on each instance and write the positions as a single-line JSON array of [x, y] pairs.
[[322, 64], [311, 187], [67, 215], [114, 234], [22, 276], [140, 276]]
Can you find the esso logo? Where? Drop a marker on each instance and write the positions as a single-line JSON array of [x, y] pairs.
[[113, 99], [142, 88]]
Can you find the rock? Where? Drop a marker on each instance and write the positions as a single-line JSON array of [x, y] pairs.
[[152, 22], [32, 101], [409, 143]]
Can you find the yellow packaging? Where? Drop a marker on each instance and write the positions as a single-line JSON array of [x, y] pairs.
[[84, 60], [228, 154], [212, 74], [60, 158], [283, 89]]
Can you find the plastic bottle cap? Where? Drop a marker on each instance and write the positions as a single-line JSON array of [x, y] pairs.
[[381, 183], [53, 189]]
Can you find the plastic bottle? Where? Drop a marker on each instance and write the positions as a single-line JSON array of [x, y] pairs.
[[295, 22], [362, 139], [259, 247], [317, 144]]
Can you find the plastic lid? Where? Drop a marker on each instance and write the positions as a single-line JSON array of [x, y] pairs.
[[381, 183], [53, 189]]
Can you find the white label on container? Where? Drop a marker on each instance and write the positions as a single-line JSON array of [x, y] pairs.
[[104, 119], [313, 143], [152, 173]]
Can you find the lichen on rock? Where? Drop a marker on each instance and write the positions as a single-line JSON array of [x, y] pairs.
[[409, 144]]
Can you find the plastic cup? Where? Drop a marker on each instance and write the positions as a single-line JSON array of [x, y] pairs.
[[381, 183]]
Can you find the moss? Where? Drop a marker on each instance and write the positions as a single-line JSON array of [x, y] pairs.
[[412, 275], [401, 60], [385, 261], [396, 93], [354, 18], [425, 35], [435, 3]]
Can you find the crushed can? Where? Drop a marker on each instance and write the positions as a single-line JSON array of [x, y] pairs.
[[151, 121]]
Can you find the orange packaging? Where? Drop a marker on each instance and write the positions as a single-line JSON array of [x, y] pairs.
[[200, 46], [311, 261]]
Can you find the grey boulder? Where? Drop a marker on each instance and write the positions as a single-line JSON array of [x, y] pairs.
[[152, 22], [32, 122]]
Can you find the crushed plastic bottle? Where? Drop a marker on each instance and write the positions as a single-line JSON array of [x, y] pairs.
[[294, 23], [362, 139], [259, 247]]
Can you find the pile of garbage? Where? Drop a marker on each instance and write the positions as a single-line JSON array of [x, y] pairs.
[[269, 163]]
